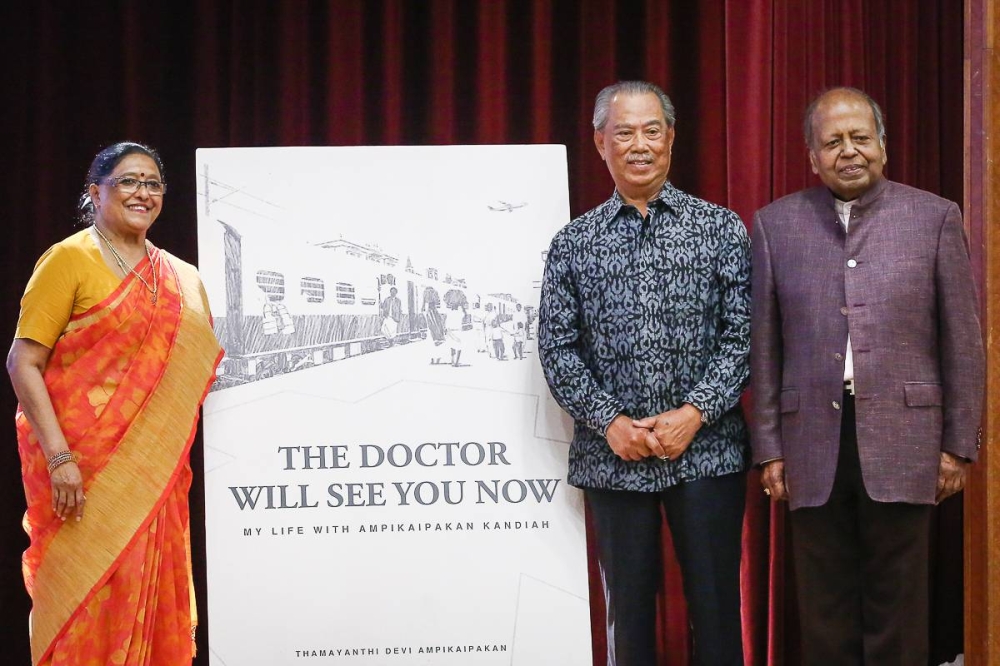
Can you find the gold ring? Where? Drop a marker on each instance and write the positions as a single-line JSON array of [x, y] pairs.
[[664, 457], [767, 491]]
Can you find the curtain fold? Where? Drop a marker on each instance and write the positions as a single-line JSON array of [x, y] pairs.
[[340, 72]]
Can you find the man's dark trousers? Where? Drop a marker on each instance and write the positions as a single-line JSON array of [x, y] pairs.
[[706, 523], [862, 571]]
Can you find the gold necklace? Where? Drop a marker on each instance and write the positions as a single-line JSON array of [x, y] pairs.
[[126, 268]]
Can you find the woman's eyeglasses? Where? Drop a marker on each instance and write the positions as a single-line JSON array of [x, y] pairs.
[[130, 185]]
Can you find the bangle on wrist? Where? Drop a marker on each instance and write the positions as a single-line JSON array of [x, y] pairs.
[[59, 459]]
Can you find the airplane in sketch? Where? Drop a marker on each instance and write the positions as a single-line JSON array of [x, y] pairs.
[[504, 207]]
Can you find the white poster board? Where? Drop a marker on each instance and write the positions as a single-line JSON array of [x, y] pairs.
[[384, 467]]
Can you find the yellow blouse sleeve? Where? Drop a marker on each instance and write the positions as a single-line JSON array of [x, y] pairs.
[[47, 304], [69, 279]]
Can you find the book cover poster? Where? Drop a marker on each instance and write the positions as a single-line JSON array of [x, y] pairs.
[[385, 470]]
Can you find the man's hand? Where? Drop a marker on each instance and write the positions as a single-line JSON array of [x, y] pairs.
[[772, 477], [674, 429], [629, 442], [952, 474]]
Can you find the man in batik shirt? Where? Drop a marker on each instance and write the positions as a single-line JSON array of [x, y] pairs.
[[643, 337]]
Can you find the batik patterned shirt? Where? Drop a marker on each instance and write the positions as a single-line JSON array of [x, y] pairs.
[[639, 316]]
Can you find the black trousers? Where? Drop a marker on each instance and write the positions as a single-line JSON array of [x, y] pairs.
[[706, 523], [862, 571]]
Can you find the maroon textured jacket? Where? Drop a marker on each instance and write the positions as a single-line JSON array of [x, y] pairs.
[[900, 281]]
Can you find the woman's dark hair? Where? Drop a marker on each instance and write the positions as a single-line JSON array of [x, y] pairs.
[[102, 166]]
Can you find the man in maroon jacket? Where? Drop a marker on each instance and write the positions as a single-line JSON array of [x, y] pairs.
[[867, 371]]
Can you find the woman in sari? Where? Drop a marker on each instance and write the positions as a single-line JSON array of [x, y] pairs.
[[113, 354]]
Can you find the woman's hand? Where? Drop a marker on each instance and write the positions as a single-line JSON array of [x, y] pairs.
[[26, 364], [67, 491]]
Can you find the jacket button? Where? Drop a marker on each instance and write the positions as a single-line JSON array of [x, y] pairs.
[[836, 405], [851, 263], [843, 310], [839, 356]]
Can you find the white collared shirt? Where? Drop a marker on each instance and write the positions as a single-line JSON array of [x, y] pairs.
[[844, 212]]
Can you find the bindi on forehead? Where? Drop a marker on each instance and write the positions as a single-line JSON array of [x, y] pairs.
[[140, 174]]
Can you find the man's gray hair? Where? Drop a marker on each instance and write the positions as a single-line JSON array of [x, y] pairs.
[[602, 105], [807, 125]]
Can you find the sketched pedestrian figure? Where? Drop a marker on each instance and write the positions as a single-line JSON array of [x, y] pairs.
[[518, 319], [434, 319], [518, 336], [479, 328], [276, 317], [391, 310], [454, 319], [496, 333], [489, 320]]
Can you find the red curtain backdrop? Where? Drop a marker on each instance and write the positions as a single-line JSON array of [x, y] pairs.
[[187, 74]]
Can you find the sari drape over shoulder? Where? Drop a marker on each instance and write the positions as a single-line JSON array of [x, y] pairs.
[[126, 380]]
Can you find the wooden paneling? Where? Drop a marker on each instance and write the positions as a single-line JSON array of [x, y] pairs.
[[982, 205]]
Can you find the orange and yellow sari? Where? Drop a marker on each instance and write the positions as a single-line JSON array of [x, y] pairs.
[[126, 379]]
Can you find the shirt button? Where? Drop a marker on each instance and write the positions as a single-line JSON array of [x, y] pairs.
[[843, 310], [839, 356], [836, 405], [851, 263]]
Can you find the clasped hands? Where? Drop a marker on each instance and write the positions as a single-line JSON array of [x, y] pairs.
[[666, 436]]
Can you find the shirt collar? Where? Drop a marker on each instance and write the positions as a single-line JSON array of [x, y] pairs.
[[843, 207], [668, 196], [873, 194]]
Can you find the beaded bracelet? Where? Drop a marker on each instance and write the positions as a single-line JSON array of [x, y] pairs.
[[60, 458]]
